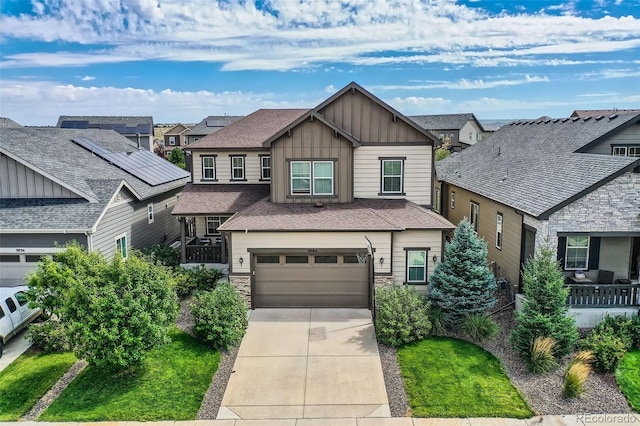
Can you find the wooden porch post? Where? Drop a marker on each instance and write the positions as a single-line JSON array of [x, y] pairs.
[[183, 240], [223, 248]]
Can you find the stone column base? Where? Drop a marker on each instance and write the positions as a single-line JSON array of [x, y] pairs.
[[243, 284]]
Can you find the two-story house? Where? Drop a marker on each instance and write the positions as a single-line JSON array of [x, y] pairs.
[[176, 137], [460, 130], [138, 129], [315, 206], [572, 181], [209, 125], [92, 186]]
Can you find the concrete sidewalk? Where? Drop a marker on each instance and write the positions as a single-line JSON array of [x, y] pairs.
[[566, 420]]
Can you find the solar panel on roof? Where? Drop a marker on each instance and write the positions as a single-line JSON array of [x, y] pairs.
[[74, 124], [144, 165]]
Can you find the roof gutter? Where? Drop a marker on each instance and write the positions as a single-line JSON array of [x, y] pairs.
[[45, 231]]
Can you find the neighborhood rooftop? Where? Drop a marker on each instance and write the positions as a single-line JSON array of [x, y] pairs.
[[229, 198], [212, 124], [443, 121], [130, 125]]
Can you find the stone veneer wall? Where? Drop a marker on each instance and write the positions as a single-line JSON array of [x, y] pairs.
[[383, 281], [243, 284]]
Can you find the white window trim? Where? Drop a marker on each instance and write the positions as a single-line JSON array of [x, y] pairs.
[[263, 167], [474, 218], [205, 168], [126, 244], [401, 176], [150, 213], [636, 151], [234, 167], [291, 179], [499, 230], [212, 220], [314, 178], [453, 200], [172, 140], [424, 267], [586, 259], [436, 203]]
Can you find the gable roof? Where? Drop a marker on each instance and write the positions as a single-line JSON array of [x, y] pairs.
[[222, 198], [212, 124], [360, 215], [251, 131], [178, 129], [7, 122], [602, 112], [445, 121], [125, 125], [52, 153], [311, 114], [535, 166]]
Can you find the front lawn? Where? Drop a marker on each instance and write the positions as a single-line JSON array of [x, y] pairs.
[[628, 377], [169, 386], [447, 377], [27, 379]]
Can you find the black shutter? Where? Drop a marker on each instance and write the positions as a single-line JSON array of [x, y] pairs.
[[594, 253], [562, 249]]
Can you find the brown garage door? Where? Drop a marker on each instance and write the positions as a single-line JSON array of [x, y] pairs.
[[310, 281]]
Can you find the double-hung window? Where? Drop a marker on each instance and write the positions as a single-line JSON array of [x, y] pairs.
[[474, 216], [499, 223], [312, 178], [392, 178], [172, 140], [237, 167], [208, 168], [577, 254], [633, 151], [150, 213], [265, 167], [213, 222], [416, 266], [121, 245]]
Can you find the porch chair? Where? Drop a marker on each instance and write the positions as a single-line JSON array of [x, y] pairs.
[[605, 277]]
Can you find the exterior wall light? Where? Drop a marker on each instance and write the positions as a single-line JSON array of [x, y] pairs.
[[241, 260]]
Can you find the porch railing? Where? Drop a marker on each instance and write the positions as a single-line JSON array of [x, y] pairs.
[[204, 254], [603, 295]]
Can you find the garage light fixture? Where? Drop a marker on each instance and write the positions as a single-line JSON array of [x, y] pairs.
[[381, 261], [241, 260], [434, 258]]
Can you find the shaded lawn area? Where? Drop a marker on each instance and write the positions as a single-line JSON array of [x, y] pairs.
[[447, 377], [170, 385], [628, 378], [27, 379]]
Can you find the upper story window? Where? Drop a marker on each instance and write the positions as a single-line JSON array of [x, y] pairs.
[[437, 200], [209, 168], [453, 200], [441, 136], [499, 223], [312, 178], [470, 136], [150, 213], [237, 167], [577, 254], [473, 216], [392, 176], [626, 151], [265, 167], [172, 140]]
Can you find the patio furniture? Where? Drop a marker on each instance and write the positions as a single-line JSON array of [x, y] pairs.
[[605, 277]]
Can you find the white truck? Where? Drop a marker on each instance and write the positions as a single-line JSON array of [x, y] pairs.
[[15, 313]]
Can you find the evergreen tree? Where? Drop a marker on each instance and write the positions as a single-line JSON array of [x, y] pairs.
[[177, 157], [462, 283], [544, 312]]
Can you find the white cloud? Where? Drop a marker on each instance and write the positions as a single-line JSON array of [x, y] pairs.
[[287, 34], [87, 78], [464, 84]]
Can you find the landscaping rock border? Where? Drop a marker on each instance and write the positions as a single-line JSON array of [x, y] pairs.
[[393, 381], [213, 398]]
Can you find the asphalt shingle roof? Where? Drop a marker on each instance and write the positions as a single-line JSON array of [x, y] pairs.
[[212, 124], [360, 215], [533, 165], [442, 121], [126, 125], [222, 198], [250, 131], [52, 151]]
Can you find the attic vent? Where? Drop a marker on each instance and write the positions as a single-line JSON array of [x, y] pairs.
[[613, 116], [587, 118], [556, 120], [576, 119], [564, 120], [600, 117], [547, 120]]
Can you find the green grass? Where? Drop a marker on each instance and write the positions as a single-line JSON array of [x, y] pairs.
[[628, 378], [27, 379], [169, 386], [452, 378]]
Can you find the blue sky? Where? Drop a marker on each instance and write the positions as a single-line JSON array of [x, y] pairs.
[[183, 60]]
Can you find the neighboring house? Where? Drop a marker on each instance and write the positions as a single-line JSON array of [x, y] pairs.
[[209, 125], [461, 130], [137, 129], [8, 123], [92, 186], [582, 113], [571, 181], [297, 201], [176, 137]]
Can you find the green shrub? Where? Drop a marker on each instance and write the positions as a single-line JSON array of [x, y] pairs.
[[163, 254], [402, 316], [541, 359], [575, 378], [49, 336], [220, 317], [608, 349], [205, 279], [480, 327], [438, 320], [184, 284], [624, 327]]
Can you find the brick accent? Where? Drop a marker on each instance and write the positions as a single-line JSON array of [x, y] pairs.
[[243, 284]]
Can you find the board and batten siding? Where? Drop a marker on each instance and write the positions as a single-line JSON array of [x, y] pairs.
[[223, 166], [301, 242], [431, 239], [311, 140], [131, 218], [368, 121], [417, 171], [508, 259], [627, 137], [20, 181]]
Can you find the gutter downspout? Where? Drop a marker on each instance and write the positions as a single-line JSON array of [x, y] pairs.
[[89, 236]]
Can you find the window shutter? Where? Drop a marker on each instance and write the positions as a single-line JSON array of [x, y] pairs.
[[594, 253], [562, 249]]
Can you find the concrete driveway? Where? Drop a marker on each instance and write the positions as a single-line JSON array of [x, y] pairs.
[[14, 348], [307, 363]]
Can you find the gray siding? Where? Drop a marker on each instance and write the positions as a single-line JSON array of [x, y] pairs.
[[39, 240], [19, 181], [627, 137], [131, 218]]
